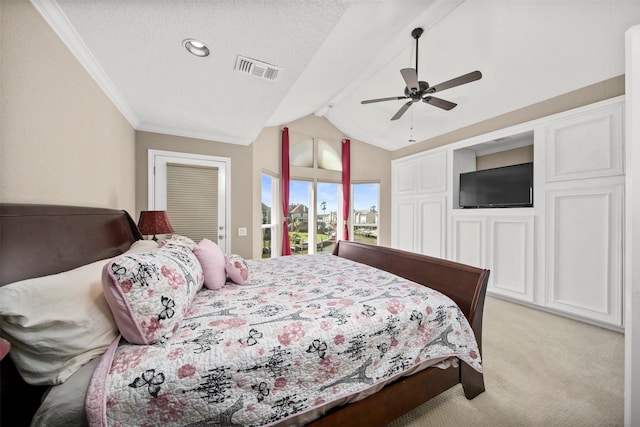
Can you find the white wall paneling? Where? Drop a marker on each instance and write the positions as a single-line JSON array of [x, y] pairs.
[[432, 172], [511, 256], [469, 240], [419, 175], [433, 228], [584, 252], [403, 181], [403, 225], [585, 145]]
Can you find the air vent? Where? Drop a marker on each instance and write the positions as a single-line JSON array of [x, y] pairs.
[[257, 68]]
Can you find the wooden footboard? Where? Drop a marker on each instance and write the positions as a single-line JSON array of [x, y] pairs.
[[465, 285]]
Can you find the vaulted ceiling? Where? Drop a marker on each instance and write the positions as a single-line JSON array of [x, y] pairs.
[[329, 55]]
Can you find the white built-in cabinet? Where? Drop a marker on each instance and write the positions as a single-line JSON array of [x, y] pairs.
[[419, 214], [564, 254]]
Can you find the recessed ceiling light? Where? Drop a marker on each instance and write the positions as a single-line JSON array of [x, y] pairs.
[[196, 47]]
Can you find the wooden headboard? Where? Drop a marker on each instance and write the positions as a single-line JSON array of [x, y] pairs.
[[38, 240]]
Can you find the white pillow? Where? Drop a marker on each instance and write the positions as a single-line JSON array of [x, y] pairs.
[[60, 322]]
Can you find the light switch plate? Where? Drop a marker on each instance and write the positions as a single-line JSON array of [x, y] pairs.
[[242, 231]]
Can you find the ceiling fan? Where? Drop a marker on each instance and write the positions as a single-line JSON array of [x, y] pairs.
[[420, 90]]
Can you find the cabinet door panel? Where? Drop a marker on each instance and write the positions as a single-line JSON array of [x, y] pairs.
[[511, 257], [586, 145], [424, 174], [584, 238], [404, 227], [405, 181], [432, 227], [432, 171], [469, 240]]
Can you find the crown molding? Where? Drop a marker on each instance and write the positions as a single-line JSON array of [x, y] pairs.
[[196, 134]]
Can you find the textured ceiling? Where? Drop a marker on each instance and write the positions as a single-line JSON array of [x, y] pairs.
[[333, 54]]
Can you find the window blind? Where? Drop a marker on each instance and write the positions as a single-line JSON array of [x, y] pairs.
[[192, 201]]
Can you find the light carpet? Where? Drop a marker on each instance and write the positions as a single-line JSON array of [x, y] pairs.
[[540, 369]]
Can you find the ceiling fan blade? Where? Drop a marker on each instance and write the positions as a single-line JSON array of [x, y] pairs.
[[401, 111], [392, 98], [410, 76], [467, 78], [440, 103]]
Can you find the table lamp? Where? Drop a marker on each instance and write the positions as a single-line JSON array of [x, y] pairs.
[[154, 222]]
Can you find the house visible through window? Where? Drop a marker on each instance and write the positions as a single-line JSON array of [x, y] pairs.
[[364, 216], [313, 221], [300, 196]]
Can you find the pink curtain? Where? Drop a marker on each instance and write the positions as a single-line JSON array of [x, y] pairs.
[[286, 246], [346, 186]]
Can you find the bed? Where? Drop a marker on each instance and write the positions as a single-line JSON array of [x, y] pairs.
[[41, 240]]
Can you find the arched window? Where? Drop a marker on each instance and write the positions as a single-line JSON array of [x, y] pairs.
[[301, 153], [315, 194], [328, 157]]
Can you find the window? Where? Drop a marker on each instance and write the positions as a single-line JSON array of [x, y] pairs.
[[315, 194], [300, 195], [315, 153], [192, 200], [328, 195], [270, 235], [364, 219], [306, 210], [328, 157], [301, 153]]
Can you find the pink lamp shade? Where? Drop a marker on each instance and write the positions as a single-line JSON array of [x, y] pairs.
[[154, 222]]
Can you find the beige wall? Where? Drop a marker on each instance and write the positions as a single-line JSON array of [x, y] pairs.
[[62, 141], [240, 156], [505, 158]]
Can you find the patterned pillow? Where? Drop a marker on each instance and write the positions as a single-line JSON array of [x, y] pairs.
[[177, 241], [149, 293], [237, 269]]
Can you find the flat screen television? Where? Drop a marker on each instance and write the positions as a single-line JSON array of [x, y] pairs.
[[504, 187]]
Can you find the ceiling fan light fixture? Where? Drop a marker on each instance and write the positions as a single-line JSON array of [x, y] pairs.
[[418, 90], [196, 47]]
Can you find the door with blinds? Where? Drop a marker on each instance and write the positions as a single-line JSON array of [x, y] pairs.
[[193, 190]]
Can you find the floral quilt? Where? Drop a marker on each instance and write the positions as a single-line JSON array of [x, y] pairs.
[[307, 330]]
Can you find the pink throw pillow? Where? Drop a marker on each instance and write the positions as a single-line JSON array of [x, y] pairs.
[[213, 263], [237, 270]]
